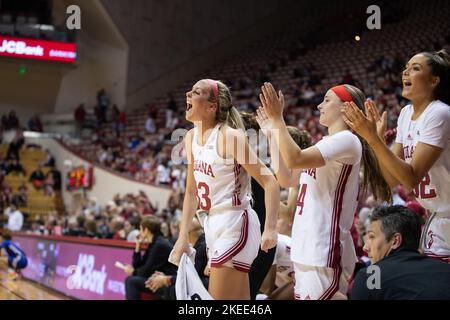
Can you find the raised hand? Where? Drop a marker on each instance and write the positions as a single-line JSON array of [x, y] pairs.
[[263, 121], [364, 126], [381, 121], [272, 102]]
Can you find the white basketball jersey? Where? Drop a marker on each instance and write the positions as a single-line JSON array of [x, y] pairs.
[[285, 267], [433, 128], [327, 203], [222, 184]]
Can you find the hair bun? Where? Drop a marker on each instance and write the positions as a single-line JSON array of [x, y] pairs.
[[444, 55]]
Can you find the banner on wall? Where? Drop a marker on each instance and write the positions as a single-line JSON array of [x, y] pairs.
[[38, 49], [82, 271]]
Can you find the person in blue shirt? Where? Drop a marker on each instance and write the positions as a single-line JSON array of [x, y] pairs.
[[17, 259]]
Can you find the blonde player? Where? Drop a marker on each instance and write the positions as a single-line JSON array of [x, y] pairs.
[[420, 158], [328, 173], [220, 163]]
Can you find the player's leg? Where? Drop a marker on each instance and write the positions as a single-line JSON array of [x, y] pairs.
[[227, 283], [316, 283]]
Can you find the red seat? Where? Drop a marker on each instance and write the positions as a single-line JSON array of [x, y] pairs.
[[148, 296]]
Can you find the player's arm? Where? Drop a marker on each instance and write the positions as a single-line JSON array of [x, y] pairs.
[[408, 174], [425, 155], [190, 203], [248, 159], [287, 212], [285, 176], [397, 149]]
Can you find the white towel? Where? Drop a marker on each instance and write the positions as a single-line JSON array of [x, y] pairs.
[[188, 285]]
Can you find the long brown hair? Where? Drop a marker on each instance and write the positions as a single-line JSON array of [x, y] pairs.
[[372, 175], [440, 67]]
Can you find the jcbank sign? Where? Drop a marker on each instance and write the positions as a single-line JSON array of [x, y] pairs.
[[37, 49]]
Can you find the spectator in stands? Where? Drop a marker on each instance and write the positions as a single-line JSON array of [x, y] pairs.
[[103, 104], [35, 124], [76, 226], [174, 230], [15, 218], [5, 123], [55, 176], [121, 123], [132, 228], [118, 230], [91, 229], [49, 160], [170, 111], [37, 178], [92, 206], [115, 119], [14, 167], [15, 145], [155, 258], [13, 121], [80, 116], [21, 197], [163, 173], [49, 185], [150, 125], [392, 244]]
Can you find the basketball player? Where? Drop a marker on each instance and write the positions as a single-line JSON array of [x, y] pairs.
[[220, 163], [420, 158], [328, 173], [17, 260]]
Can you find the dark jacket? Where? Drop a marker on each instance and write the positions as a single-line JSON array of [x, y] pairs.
[[405, 274], [154, 259]]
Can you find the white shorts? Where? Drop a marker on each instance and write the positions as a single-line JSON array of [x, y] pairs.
[[232, 239], [320, 283], [435, 241]]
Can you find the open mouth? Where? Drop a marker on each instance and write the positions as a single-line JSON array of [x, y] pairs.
[[407, 83], [189, 107]]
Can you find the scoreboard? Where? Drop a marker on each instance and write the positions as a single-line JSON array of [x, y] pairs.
[[80, 178]]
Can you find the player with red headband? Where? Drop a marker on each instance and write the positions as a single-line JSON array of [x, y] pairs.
[[220, 163], [328, 173]]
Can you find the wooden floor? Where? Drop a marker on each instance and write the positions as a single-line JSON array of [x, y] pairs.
[[22, 289]]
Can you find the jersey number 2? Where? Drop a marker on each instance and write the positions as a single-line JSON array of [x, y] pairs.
[[423, 190], [301, 198], [203, 196]]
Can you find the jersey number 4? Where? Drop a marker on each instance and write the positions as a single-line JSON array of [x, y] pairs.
[[301, 198], [423, 189], [203, 196]]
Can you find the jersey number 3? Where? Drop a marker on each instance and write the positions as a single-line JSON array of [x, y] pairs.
[[301, 198], [203, 196]]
